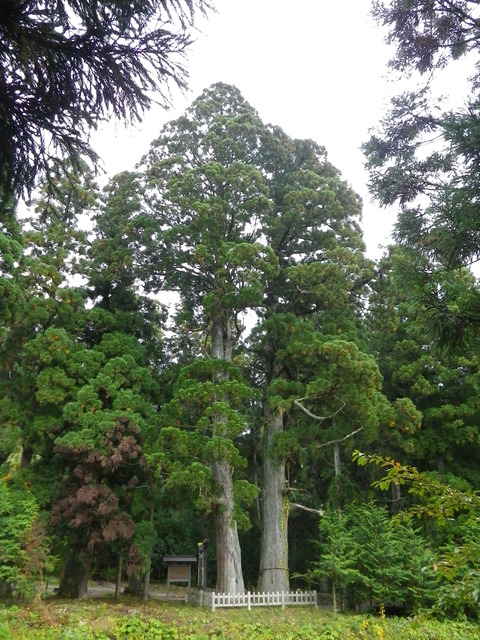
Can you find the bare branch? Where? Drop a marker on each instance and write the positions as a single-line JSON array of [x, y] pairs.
[[326, 444], [298, 403], [295, 505]]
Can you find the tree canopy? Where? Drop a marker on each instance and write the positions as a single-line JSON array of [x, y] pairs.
[[65, 66], [423, 158], [428, 33]]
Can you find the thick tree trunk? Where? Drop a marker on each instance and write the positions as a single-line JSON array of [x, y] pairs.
[[273, 575], [146, 584], [229, 558], [74, 580], [222, 347], [135, 583]]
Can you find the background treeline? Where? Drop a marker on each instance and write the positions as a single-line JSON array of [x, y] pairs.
[[195, 351]]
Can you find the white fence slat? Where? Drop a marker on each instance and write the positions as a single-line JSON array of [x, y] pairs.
[[263, 599]]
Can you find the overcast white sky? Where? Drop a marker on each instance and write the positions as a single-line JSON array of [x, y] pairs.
[[316, 68]]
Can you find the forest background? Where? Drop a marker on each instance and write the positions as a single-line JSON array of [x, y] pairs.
[[132, 429]]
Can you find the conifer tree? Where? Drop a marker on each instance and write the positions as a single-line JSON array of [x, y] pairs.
[[207, 197]]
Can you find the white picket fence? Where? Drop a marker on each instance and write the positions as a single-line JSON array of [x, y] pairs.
[[251, 599]]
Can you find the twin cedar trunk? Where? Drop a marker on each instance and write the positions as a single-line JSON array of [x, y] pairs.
[[229, 556], [273, 574], [229, 560]]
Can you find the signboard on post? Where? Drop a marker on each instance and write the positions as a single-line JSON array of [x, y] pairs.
[[179, 570]]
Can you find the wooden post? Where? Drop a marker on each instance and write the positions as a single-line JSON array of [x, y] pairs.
[[202, 565]]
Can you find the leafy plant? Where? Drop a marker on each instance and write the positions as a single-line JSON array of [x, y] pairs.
[[458, 565], [23, 541], [134, 628], [368, 560]]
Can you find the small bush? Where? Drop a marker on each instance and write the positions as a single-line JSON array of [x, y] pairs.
[[144, 629]]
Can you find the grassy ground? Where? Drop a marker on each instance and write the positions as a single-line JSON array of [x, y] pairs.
[[101, 618]]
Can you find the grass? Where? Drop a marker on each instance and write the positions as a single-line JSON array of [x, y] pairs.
[[130, 619]]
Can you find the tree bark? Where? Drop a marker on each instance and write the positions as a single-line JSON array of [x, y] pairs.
[[273, 575], [338, 473], [229, 556], [146, 577], [135, 582], [74, 580], [146, 583], [336, 459], [396, 491]]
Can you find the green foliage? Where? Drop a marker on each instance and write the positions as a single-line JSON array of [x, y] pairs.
[[112, 420], [366, 559], [209, 410], [457, 565], [23, 540], [60, 53], [92, 621], [427, 34], [434, 394], [144, 540], [140, 629], [11, 293], [424, 158], [245, 494], [443, 500], [18, 511]]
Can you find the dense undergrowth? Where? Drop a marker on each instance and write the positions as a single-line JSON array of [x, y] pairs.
[[130, 619]]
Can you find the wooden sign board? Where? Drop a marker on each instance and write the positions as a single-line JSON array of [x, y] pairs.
[[179, 572]]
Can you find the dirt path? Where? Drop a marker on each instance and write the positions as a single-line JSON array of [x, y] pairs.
[[157, 591]]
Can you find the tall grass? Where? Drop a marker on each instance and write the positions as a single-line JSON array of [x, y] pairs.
[[130, 619]]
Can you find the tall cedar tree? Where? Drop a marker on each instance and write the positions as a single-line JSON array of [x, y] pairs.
[[207, 198], [313, 228], [118, 260], [39, 347], [217, 180]]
